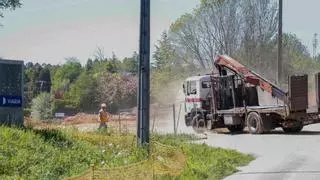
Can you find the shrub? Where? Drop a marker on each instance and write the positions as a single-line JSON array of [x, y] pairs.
[[42, 107], [27, 112]]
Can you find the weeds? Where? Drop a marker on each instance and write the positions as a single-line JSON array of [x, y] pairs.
[[203, 161], [53, 154]]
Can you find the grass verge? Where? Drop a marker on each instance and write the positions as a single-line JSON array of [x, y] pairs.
[[53, 154], [203, 161]]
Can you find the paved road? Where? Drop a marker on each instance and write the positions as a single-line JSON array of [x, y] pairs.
[[278, 156]]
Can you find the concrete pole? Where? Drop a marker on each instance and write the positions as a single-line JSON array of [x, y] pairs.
[[280, 69], [143, 120]]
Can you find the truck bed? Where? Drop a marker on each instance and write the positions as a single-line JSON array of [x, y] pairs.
[[279, 109]]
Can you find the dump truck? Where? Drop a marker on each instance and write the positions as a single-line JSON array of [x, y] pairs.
[[228, 98]]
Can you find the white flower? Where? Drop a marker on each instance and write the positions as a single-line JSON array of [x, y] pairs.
[[160, 158]]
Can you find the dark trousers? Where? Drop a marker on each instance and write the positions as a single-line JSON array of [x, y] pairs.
[[103, 126]]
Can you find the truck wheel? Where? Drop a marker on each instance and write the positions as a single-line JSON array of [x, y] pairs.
[[296, 129], [236, 128], [198, 124], [254, 123]]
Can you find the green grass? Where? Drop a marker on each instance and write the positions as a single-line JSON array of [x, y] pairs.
[[53, 154], [203, 161]]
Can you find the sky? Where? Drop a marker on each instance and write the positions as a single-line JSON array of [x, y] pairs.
[[48, 31]]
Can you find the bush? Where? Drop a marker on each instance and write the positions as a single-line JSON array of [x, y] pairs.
[[27, 112], [42, 107]]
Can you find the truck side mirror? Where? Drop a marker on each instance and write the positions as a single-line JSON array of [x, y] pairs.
[[224, 72]]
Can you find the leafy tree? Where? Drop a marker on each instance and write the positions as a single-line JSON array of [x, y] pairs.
[[66, 74], [42, 107], [164, 54], [44, 82], [82, 92], [9, 4], [89, 65], [131, 64]]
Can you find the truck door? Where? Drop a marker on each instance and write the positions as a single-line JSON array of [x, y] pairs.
[[192, 99]]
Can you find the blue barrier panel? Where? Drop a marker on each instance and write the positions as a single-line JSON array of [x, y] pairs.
[[10, 101]]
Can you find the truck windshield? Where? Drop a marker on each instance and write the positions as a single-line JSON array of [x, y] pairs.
[[191, 87]]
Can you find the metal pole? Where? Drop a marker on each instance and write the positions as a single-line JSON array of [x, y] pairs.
[[174, 118], [279, 71], [144, 75], [119, 118], [178, 117]]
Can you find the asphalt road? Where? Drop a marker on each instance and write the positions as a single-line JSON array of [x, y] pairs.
[[279, 156]]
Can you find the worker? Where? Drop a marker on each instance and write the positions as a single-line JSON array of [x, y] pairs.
[[104, 116]]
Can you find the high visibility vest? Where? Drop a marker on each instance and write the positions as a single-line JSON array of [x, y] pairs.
[[104, 116]]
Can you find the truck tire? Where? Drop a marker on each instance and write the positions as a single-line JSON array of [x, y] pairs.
[[295, 129], [255, 123], [236, 128]]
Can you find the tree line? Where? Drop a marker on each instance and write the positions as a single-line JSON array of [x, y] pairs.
[[71, 87], [243, 29]]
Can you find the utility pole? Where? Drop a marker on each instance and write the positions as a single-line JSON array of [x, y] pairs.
[[279, 70], [315, 46], [144, 75]]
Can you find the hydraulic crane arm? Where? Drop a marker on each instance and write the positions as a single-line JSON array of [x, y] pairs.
[[250, 77]]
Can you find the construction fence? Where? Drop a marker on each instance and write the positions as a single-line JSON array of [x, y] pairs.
[[163, 161]]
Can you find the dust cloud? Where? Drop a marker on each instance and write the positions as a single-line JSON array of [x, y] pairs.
[[162, 112]]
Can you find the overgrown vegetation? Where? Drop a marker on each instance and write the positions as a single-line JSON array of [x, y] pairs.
[[53, 154], [203, 161]]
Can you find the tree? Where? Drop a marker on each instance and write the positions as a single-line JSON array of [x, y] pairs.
[[130, 65], [164, 55], [99, 54], [243, 28], [89, 65], [82, 92], [44, 83], [315, 44], [42, 107], [9, 4], [260, 22], [66, 74], [117, 91]]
